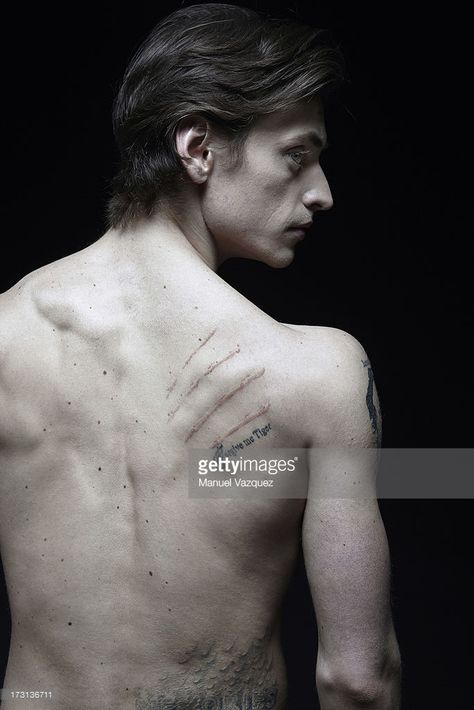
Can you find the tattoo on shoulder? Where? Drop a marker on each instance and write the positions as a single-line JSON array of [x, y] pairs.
[[372, 404]]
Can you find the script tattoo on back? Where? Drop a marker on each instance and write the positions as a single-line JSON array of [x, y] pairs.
[[374, 413]]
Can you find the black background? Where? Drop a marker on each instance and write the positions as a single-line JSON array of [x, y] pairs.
[[389, 263]]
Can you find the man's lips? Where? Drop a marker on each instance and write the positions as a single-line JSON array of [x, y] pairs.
[[300, 229]]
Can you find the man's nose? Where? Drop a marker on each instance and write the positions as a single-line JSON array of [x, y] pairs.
[[319, 196]]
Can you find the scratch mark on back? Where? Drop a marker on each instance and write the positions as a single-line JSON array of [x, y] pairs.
[[247, 379], [196, 382], [189, 358]]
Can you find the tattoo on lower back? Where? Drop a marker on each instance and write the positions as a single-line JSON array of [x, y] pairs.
[[374, 414], [215, 676], [262, 699]]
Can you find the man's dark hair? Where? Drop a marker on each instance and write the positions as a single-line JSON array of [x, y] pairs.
[[228, 64]]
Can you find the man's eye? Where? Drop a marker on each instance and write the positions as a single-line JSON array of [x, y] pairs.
[[297, 155]]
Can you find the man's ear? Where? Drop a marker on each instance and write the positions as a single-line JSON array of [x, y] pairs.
[[192, 137]]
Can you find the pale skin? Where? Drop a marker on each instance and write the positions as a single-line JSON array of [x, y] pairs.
[[124, 591]]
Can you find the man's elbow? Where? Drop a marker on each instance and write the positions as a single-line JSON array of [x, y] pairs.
[[350, 691], [374, 693]]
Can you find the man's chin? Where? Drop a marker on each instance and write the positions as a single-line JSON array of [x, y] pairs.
[[279, 259]]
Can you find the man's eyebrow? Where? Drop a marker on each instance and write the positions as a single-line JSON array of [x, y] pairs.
[[314, 137]]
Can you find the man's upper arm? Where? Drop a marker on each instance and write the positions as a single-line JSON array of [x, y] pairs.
[[344, 541]]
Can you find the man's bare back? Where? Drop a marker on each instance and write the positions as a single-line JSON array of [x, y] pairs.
[[121, 586], [125, 591]]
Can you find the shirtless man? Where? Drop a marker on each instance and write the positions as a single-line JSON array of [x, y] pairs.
[[126, 592]]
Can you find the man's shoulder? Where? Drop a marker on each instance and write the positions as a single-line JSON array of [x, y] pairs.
[[335, 361], [18, 316], [330, 378], [58, 297], [317, 354], [19, 340], [26, 325], [21, 315], [39, 317], [325, 349]]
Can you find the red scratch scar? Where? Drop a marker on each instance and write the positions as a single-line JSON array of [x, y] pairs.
[[222, 399]]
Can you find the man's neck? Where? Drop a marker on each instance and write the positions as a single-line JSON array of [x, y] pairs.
[[152, 240]]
